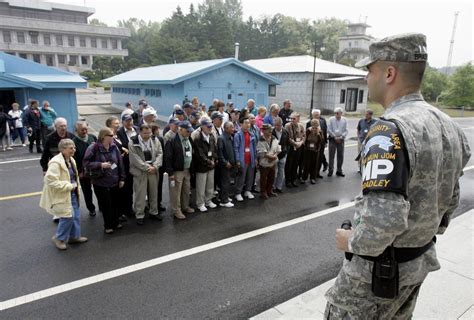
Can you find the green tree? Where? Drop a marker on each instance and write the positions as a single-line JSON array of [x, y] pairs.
[[460, 91], [434, 82], [97, 22]]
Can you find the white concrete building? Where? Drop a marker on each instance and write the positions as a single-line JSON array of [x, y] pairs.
[[57, 35], [335, 85], [355, 44]]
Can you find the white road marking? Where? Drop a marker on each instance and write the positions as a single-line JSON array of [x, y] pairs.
[[20, 160], [15, 302]]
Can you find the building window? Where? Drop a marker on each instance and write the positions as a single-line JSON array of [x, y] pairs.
[[37, 58], [70, 41], [84, 60], [350, 44], [7, 37], [72, 60], [33, 37], [59, 40], [47, 39], [361, 96], [50, 60], [61, 59], [104, 43], [93, 42], [272, 90], [82, 42], [114, 44], [20, 36], [342, 98], [23, 55]]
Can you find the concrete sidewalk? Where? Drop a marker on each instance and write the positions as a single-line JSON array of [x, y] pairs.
[[446, 294]]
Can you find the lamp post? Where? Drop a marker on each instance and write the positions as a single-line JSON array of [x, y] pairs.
[[314, 72]]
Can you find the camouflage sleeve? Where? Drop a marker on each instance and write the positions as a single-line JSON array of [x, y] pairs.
[[383, 216]]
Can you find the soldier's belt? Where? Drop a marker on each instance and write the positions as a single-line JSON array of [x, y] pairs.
[[404, 254]]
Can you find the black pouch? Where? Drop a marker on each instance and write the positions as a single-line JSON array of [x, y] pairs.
[[385, 275]]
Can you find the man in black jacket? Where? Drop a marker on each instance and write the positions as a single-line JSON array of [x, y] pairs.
[[205, 159], [126, 132], [31, 121], [282, 135], [52, 142], [178, 161], [227, 163], [285, 113], [83, 140]]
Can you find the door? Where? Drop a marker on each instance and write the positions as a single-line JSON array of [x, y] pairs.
[[7, 97], [351, 99]]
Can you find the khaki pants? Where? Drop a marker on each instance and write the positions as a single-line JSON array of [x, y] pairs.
[[179, 194], [204, 187], [143, 186]]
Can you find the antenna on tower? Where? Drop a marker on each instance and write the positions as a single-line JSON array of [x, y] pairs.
[[451, 45]]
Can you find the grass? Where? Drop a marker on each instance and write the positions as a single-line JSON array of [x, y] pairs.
[[452, 112]]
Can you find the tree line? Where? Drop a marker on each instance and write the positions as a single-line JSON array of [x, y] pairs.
[[210, 30]]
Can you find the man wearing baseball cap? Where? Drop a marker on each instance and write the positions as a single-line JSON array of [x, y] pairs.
[[177, 163], [412, 159]]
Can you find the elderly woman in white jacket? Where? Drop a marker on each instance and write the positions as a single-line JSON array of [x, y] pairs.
[[60, 196]]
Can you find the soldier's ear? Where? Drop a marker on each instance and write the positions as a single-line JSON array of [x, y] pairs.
[[391, 74]]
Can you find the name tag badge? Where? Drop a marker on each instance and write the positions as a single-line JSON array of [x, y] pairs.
[[209, 153], [188, 154], [366, 130], [247, 150], [298, 139], [114, 166], [311, 145]]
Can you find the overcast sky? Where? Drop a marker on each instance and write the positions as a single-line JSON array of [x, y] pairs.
[[433, 18]]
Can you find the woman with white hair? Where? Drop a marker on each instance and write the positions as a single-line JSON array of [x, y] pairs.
[[60, 196]]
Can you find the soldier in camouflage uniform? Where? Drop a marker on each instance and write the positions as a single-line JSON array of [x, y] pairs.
[[413, 158]]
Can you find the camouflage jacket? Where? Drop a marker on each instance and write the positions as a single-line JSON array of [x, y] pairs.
[[436, 150]]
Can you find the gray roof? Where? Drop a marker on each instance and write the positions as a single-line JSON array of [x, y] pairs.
[[48, 6], [303, 64], [341, 79], [178, 72]]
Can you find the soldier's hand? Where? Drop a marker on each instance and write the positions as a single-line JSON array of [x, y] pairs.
[[342, 239]]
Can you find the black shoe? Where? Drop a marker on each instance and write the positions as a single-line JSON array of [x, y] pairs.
[[140, 222], [39, 151], [294, 185], [319, 176], [161, 209], [31, 150], [56, 220], [123, 218], [302, 181], [156, 217], [92, 213], [330, 174], [278, 191], [340, 174], [288, 185], [254, 190], [313, 181], [325, 167], [119, 226]]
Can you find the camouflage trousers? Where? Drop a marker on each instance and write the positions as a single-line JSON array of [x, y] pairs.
[[353, 299]]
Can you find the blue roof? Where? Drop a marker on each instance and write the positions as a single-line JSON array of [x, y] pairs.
[[25, 73], [179, 72]]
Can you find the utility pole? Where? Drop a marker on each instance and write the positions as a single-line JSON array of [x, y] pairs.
[[450, 54], [314, 73]]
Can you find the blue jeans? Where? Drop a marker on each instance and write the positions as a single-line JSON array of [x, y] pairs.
[[280, 176], [18, 132], [70, 227]]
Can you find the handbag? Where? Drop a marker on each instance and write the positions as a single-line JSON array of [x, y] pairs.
[[94, 173]]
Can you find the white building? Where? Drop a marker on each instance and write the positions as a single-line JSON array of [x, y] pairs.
[[355, 44], [335, 85], [57, 35]]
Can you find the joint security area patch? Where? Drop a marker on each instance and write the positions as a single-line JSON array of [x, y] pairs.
[[385, 164]]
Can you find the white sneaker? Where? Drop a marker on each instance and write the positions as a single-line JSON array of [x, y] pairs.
[[229, 199], [216, 192], [211, 204], [23, 145], [202, 208], [239, 198], [249, 195], [227, 205]]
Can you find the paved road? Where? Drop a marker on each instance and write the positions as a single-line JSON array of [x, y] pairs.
[[237, 280]]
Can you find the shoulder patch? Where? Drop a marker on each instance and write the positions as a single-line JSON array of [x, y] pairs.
[[385, 164]]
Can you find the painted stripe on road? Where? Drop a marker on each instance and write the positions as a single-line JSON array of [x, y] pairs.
[[19, 160], [18, 196], [15, 302]]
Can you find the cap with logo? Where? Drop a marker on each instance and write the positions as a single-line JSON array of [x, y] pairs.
[[205, 122], [216, 115], [127, 117], [407, 47], [186, 125]]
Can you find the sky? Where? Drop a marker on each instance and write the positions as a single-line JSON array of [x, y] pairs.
[[433, 18]]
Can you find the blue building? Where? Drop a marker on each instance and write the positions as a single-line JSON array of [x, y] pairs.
[[21, 79], [166, 85]]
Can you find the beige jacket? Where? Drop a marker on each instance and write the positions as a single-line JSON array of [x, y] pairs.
[[56, 195]]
